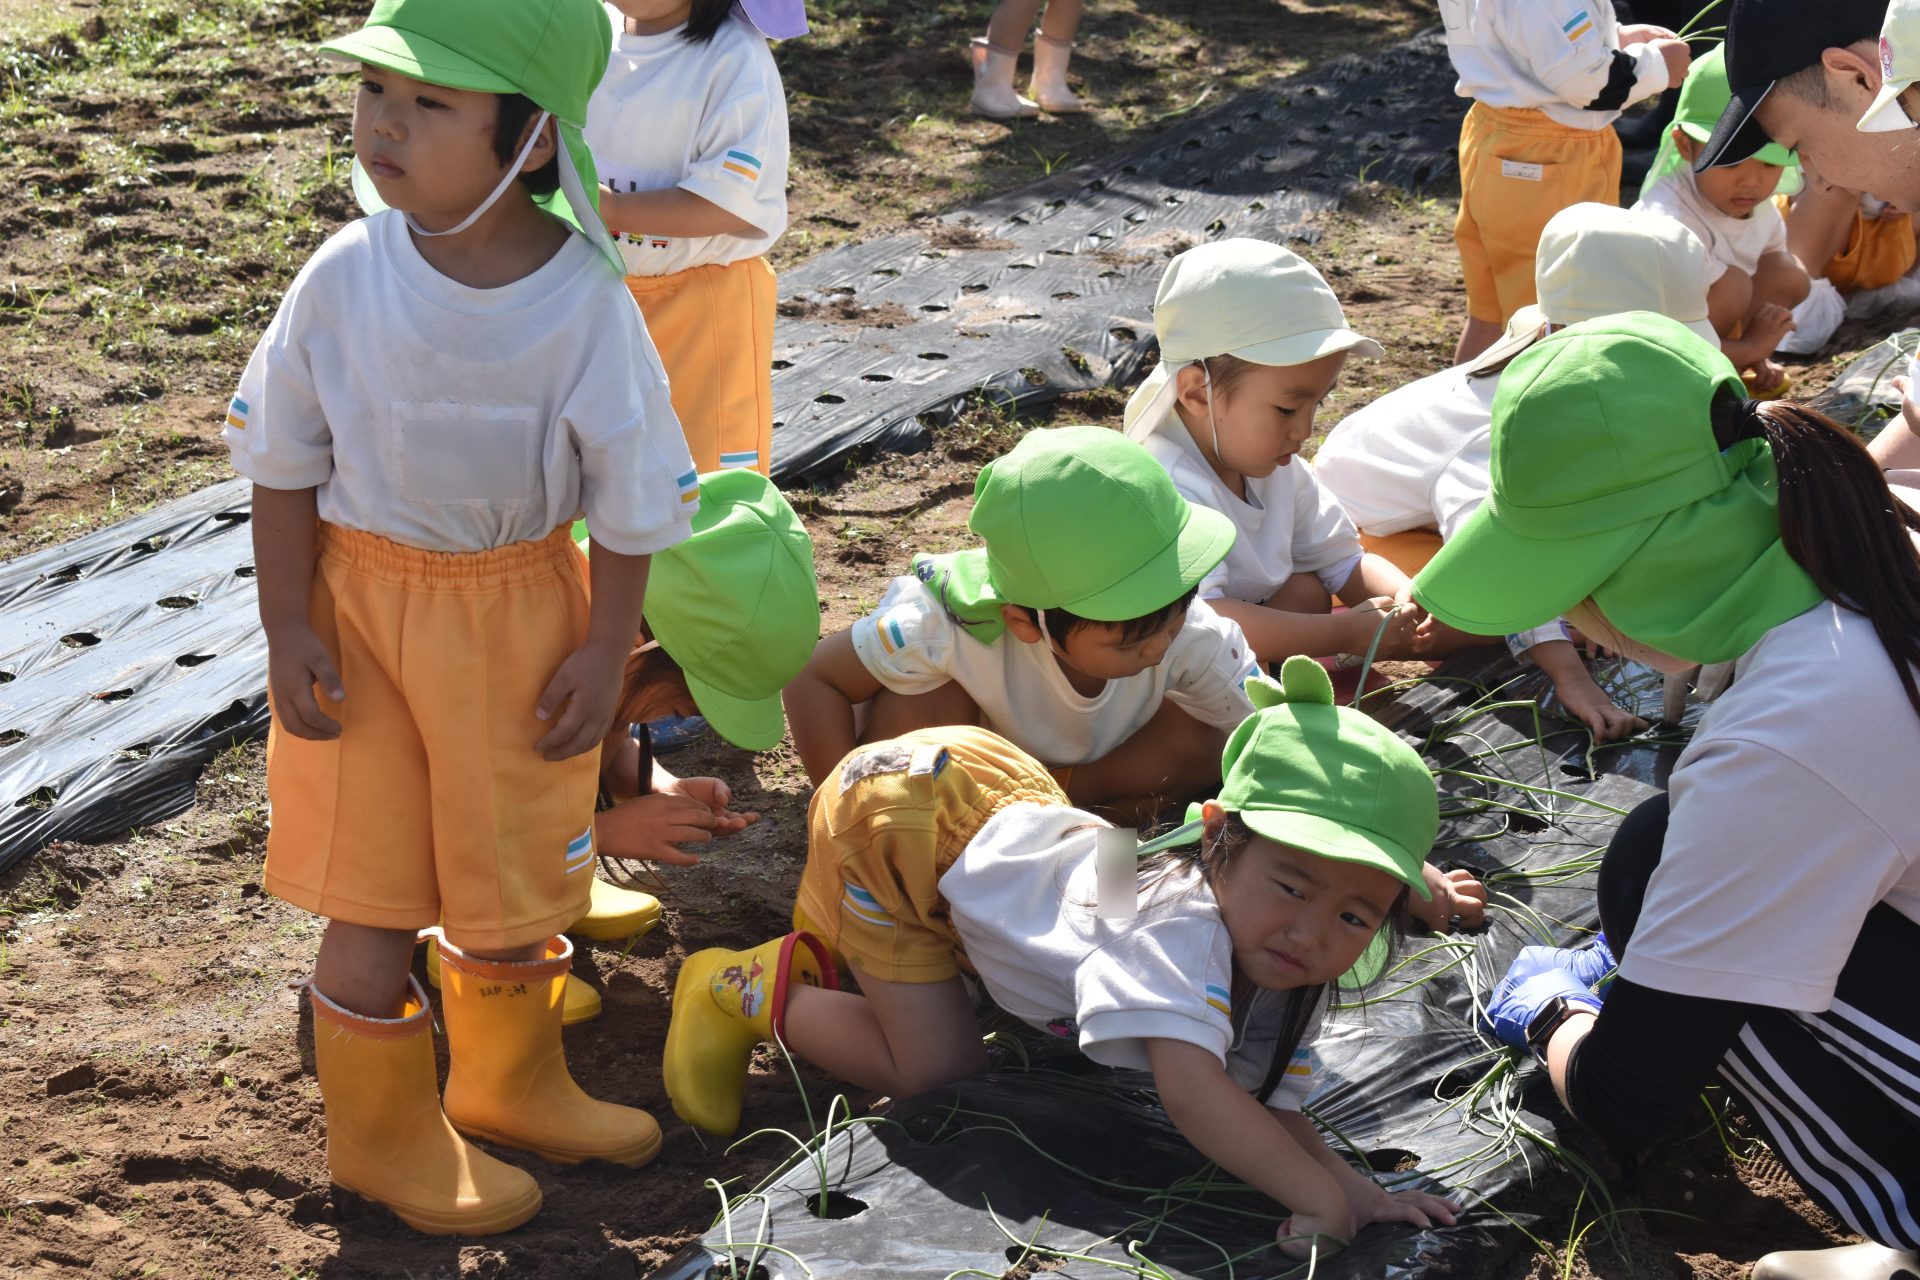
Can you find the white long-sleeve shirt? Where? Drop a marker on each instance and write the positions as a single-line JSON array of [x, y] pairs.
[[1553, 56]]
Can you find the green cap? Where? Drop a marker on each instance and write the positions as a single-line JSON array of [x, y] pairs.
[[553, 51], [1607, 482], [1330, 780], [1704, 95], [1076, 518], [736, 606]]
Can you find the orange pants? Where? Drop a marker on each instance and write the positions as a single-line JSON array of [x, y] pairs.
[[1407, 551], [1517, 169], [432, 804], [1879, 251], [713, 328]]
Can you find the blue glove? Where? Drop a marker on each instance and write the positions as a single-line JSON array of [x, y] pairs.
[[1591, 963], [1537, 975]]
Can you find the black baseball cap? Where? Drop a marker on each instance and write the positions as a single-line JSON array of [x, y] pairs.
[[1766, 41]]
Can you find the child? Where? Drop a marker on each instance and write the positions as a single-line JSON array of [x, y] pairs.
[[1413, 465], [1251, 341], [995, 54], [689, 129], [950, 847], [445, 385], [1547, 77], [1073, 632], [1850, 243], [1753, 282]]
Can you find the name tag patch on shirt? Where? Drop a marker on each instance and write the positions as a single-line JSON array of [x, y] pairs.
[[1522, 170]]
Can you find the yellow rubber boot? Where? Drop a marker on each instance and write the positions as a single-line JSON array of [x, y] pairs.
[[725, 1003], [581, 1002], [387, 1138], [615, 914], [507, 1079]]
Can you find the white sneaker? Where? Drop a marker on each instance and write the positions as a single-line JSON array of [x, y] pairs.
[[1847, 1262]]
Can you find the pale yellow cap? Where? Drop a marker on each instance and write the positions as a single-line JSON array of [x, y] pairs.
[[1899, 68], [1257, 301]]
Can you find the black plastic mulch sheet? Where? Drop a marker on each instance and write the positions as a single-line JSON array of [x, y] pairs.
[[1049, 289], [128, 659], [1863, 395], [1068, 1158]]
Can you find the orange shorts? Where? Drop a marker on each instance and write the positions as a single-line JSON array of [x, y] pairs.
[[885, 825], [1518, 168], [1879, 251], [1407, 551], [713, 328], [432, 805]]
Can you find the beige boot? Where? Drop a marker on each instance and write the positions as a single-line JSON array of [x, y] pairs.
[[387, 1138], [993, 95], [1049, 86], [1847, 1262], [507, 1078]]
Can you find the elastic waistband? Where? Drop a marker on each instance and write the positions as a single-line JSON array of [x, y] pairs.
[[674, 279], [1529, 120], [451, 572]]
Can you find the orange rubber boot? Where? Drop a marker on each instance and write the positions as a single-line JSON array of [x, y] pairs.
[[387, 1138], [507, 1080], [725, 1003]]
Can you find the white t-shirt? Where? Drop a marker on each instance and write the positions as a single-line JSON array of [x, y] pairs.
[[1794, 812], [1554, 56], [1286, 524], [1419, 457], [911, 644], [1021, 898], [457, 419], [1731, 242], [707, 118]]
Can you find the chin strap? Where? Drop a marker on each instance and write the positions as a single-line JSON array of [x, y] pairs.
[[513, 171]]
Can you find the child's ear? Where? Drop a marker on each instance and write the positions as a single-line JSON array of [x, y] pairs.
[[1685, 145], [1190, 388], [1019, 624], [543, 150], [1213, 815]]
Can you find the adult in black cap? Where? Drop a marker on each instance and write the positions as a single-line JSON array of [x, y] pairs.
[[1810, 76]]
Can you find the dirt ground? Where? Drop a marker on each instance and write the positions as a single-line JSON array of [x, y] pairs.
[[158, 1115]]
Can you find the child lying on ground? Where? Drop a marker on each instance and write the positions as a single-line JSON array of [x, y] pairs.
[[1753, 281], [1251, 341], [951, 848], [1414, 464]]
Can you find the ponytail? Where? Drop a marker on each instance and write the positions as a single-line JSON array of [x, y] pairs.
[[1839, 520]]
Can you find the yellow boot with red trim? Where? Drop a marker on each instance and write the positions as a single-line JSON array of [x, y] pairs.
[[725, 1003]]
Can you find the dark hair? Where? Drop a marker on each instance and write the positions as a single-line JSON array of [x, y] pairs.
[[1838, 519], [515, 110], [703, 23], [1061, 623], [1209, 859], [1224, 372]]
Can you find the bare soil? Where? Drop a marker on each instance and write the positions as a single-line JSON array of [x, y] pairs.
[[158, 1115]]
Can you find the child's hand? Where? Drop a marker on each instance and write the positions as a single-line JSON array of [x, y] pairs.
[[1366, 616], [1771, 322], [1304, 1235], [1417, 1207], [651, 828], [717, 796], [1587, 703], [587, 685], [1643, 33], [1459, 900], [296, 662], [1678, 58]]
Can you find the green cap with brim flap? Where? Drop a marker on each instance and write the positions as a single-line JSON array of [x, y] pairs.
[[1608, 483], [552, 51], [1076, 518]]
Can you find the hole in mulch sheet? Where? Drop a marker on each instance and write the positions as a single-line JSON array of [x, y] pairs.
[[1120, 333], [10, 736], [147, 546], [835, 1205], [193, 659], [72, 573], [40, 799], [827, 397], [113, 695], [876, 377], [778, 365], [933, 355], [80, 640], [5, 676], [177, 602], [1392, 1160], [738, 1271], [233, 517]]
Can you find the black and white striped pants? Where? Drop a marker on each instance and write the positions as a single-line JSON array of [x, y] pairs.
[[1837, 1093]]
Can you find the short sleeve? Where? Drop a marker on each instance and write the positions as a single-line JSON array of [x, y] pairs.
[[1165, 978], [907, 643], [637, 481], [1324, 539], [1208, 668], [1570, 47], [275, 426], [739, 159], [1764, 877]]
